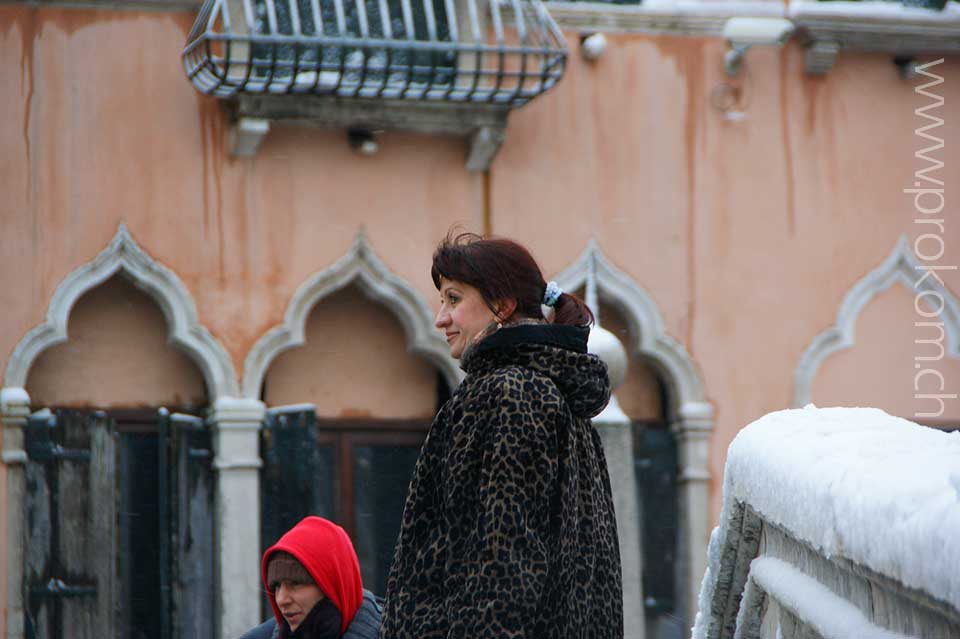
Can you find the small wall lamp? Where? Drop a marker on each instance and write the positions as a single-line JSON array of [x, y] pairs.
[[592, 46], [362, 140]]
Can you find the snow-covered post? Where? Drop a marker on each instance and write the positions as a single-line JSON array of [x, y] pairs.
[[236, 436], [837, 522], [14, 410], [616, 432]]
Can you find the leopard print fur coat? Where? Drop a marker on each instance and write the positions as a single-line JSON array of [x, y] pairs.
[[508, 529]]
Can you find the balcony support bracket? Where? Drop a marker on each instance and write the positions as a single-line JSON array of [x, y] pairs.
[[483, 126]]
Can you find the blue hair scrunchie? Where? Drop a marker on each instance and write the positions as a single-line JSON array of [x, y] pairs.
[[551, 294]]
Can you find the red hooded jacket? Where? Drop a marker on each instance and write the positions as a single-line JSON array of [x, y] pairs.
[[325, 550]]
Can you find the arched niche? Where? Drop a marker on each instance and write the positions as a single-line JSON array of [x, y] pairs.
[[117, 356], [619, 290], [880, 368], [359, 267], [902, 268], [124, 255], [354, 363]]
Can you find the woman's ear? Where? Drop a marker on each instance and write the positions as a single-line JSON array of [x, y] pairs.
[[505, 309]]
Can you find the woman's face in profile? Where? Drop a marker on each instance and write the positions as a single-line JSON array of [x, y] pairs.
[[463, 314]]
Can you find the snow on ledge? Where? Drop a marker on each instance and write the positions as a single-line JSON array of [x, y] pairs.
[[874, 10], [830, 615], [856, 483]]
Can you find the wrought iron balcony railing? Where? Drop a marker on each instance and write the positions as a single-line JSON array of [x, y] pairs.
[[502, 52]]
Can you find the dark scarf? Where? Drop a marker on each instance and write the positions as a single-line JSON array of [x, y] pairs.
[[322, 622]]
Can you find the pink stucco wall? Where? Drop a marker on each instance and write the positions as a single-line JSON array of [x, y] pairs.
[[103, 127], [746, 231], [746, 227]]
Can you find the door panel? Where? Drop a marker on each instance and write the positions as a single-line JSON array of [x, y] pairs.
[[191, 526], [297, 478], [381, 478], [116, 517], [353, 472], [71, 526]]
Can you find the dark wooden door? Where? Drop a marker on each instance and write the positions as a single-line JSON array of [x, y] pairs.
[[119, 526], [353, 472], [656, 467], [186, 508], [70, 567]]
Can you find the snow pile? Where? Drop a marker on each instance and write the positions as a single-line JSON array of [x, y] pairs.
[[702, 620], [852, 482], [817, 605]]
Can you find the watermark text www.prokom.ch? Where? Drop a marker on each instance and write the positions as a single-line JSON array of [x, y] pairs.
[[929, 201]]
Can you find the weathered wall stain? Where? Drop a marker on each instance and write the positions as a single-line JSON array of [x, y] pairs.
[[212, 152], [70, 21], [688, 54], [786, 80], [27, 26], [205, 164], [812, 85]]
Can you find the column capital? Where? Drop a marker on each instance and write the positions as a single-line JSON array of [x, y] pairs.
[[694, 418], [14, 406], [14, 411], [234, 412]]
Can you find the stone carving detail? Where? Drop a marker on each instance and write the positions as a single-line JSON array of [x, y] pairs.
[[362, 267], [123, 254]]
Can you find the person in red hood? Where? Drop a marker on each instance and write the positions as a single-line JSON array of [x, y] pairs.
[[312, 578]]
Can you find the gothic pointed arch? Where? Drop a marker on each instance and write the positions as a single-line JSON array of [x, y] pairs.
[[360, 266], [900, 267], [186, 333], [645, 321]]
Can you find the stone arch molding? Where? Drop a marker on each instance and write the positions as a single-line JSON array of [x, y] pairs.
[[644, 319], [123, 254], [902, 267], [360, 266]]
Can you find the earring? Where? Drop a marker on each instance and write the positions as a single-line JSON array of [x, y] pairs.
[[499, 325]]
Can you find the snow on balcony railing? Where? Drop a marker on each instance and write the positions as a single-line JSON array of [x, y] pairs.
[[840, 522], [505, 52]]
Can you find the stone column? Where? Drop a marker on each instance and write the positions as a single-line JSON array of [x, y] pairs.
[[616, 431], [236, 442], [693, 427], [14, 409]]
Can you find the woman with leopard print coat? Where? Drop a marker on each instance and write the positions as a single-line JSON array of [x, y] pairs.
[[508, 529]]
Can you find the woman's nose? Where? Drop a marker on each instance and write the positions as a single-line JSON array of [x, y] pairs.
[[282, 595], [442, 319]]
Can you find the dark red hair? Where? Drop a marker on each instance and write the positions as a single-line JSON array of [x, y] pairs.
[[502, 269]]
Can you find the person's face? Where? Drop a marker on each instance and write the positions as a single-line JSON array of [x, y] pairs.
[[296, 600], [463, 314]]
